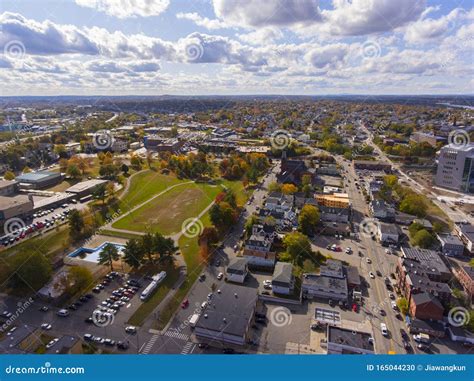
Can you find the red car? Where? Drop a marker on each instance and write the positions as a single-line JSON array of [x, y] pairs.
[[338, 248], [185, 303], [354, 307]]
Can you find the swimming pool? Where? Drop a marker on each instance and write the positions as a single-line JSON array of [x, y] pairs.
[[92, 255]]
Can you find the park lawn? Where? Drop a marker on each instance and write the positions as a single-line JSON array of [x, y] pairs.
[[144, 186], [190, 250], [119, 234], [166, 214], [146, 308], [241, 194], [49, 244]]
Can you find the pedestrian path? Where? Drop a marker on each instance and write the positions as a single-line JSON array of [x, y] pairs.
[[188, 348], [176, 335], [150, 344]]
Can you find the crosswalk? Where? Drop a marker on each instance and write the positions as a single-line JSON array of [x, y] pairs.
[[188, 348], [177, 335], [150, 344]]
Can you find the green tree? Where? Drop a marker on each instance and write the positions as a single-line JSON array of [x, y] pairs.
[[471, 262], [73, 171], [308, 219], [108, 255], [298, 247], [78, 279], [424, 239], [29, 271], [274, 187], [76, 225], [133, 253], [402, 305], [100, 192], [413, 204], [125, 169], [164, 246]]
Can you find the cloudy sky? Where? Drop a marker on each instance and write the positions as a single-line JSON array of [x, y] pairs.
[[153, 47]]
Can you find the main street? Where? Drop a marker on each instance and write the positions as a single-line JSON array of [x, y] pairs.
[[385, 263]]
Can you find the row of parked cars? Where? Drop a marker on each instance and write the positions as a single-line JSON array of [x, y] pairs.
[[123, 345], [118, 298], [25, 231]]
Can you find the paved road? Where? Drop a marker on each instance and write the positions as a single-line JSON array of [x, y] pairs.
[[386, 264]]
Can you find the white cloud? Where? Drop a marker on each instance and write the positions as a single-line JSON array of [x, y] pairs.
[[360, 17], [127, 8], [258, 13], [328, 56], [202, 21], [428, 29], [262, 36], [47, 38]]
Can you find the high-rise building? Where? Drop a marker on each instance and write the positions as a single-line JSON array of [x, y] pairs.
[[456, 168]]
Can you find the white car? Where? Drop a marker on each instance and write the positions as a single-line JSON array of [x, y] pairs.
[[51, 343], [371, 274], [46, 326], [267, 282], [131, 329], [383, 328], [220, 276]]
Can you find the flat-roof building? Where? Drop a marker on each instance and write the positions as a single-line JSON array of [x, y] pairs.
[[85, 188], [17, 206], [39, 180], [341, 340], [8, 187], [228, 316]]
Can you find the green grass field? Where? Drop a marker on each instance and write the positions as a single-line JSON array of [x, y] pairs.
[[165, 214], [144, 186], [146, 308]]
